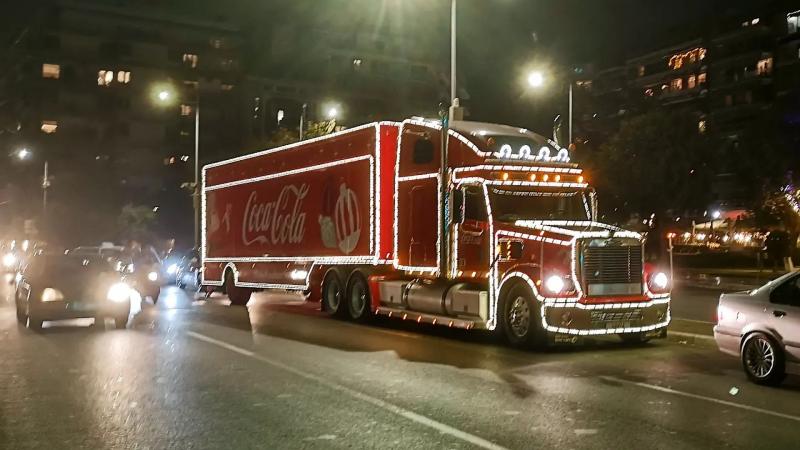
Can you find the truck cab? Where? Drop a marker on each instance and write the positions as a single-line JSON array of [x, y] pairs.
[[517, 247]]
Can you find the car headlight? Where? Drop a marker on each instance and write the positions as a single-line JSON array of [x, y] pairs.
[[52, 295], [152, 276], [9, 260], [659, 281], [555, 284], [172, 269], [119, 293]]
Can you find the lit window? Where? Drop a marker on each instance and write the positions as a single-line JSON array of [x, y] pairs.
[[123, 77], [226, 87], [793, 22], [51, 71], [640, 70], [190, 59], [357, 63], [216, 43], [676, 84], [764, 66], [701, 126], [105, 77], [701, 78], [49, 126], [186, 110], [755, 21], [691, 82], [678, 60]]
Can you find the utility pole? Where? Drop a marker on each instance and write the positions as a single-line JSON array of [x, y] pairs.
[[196, 191], [303, 121]]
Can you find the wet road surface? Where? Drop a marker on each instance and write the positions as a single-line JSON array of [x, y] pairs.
[[200, 374]]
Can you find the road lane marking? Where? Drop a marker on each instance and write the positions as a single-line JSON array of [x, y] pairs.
[[702, 397], [410, 415]]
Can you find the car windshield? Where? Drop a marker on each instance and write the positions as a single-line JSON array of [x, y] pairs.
[[58, 264], [511, 205]]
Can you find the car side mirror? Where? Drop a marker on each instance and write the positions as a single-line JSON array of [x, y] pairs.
[[457, 206]]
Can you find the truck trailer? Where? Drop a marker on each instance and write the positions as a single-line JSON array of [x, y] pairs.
[[471, 225]]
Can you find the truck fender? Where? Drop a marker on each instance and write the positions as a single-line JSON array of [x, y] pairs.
[[232, 268]]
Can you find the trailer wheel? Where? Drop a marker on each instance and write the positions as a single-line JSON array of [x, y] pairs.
[[332, 294], [359, 299], [519, 320], [237, 295]]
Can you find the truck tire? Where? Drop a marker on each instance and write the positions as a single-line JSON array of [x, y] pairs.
[[332, 294], [519, 320], [237, 295], [359, 300]]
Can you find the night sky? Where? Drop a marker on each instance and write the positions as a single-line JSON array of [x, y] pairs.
[[498, 39]]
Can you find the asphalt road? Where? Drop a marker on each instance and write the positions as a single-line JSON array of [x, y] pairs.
[[200, 374]]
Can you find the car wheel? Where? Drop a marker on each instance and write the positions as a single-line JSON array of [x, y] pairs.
[[519, 320], [763, 360], [332, 293], [359, 299], [22, 314], [34, 323]]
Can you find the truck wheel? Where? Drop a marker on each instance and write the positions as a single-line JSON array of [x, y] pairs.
[[238, 296], [519, 319], [332, 293], [763, 360], [359, 300]]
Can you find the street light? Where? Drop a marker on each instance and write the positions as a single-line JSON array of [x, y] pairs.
[[164, 94], [23, 154], [333, 113], [535, 79]]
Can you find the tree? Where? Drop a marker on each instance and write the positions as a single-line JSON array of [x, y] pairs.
[[657, 162], [136, 222]]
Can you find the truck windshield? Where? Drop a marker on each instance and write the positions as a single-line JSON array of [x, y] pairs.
[[510, 205]]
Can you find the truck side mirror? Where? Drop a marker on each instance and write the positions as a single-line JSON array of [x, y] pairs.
[[457, 209]]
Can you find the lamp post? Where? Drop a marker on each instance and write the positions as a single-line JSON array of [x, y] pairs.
[[164, 95]]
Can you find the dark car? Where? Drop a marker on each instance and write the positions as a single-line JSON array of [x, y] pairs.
[[66, 286]]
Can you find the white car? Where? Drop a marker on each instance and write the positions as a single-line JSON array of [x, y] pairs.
[[762, 327]]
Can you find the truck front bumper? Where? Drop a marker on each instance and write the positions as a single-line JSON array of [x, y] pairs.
[[579, 319]]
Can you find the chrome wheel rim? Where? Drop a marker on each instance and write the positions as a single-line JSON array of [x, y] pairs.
[[332, 295], [358, 299], [519, 317], [760, 357]]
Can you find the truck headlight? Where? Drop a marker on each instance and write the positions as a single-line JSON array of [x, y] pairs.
[[555, 284], [52, 295], [9, 260], [659, 281], [152, 276], [119, 293]]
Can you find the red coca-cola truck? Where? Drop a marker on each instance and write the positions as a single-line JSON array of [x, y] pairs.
[[367, 222]]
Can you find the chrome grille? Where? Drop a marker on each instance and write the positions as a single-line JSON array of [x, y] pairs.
[[611, 262]]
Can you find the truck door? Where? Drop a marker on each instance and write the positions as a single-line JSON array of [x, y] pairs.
[[473, 232], [418, 199]]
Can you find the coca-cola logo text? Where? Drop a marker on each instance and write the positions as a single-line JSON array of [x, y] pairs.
[[276, 222]]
